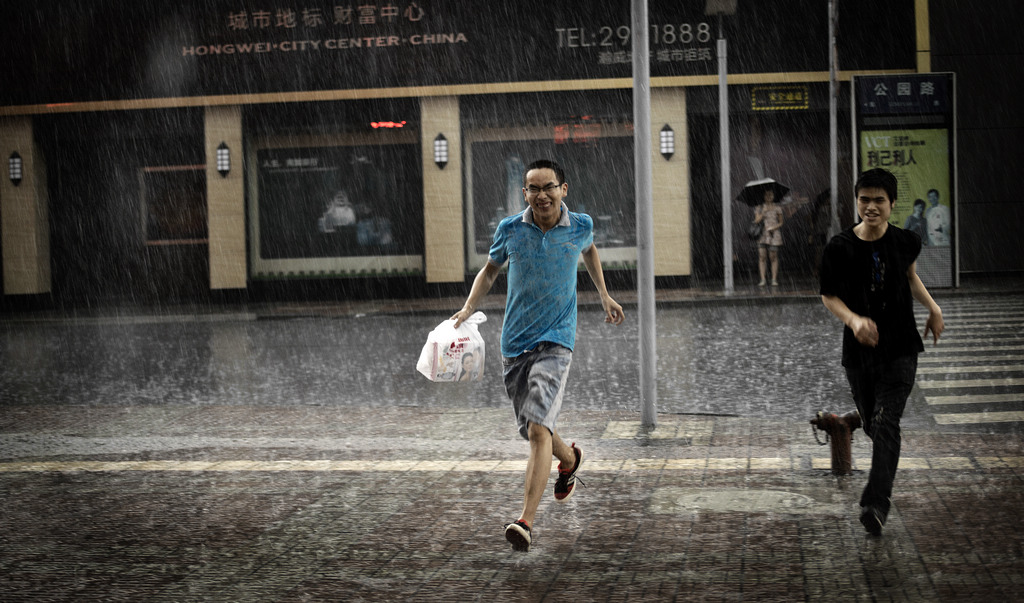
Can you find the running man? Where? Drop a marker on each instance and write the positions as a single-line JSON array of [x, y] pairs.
[[542, 245]]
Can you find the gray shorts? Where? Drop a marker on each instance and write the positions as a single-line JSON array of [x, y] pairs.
[[534, 382]]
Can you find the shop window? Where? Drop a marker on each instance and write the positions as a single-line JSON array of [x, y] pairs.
[[599, 171], [334, 189], [339, 201]]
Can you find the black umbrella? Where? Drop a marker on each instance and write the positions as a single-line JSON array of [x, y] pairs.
[[753, 191]]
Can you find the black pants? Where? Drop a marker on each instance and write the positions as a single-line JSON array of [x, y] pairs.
[[881, 393]]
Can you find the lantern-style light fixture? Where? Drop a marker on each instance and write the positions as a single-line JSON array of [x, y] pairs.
[[223, 159], [14, 168], [667, 142], [441, 151]]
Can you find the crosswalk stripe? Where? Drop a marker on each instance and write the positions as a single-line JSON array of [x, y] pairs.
[[1011, 313], [988, 303], [959, 325], [976, 305], [979, 417], [976, 399], [983, 336], [969, 310], [940, 349], [942, 370], [968, 333], [956, 329], [958, 360], [956, 383], [1011, 328], [982, 321], [994, 338], [1006, 313], [978, 319]]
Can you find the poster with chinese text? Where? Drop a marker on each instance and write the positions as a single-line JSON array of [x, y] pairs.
[[920, 160]]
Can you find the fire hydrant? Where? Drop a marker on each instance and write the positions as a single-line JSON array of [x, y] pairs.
[[838, 428]]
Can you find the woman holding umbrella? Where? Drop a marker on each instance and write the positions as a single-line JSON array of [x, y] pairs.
[[770, 213]]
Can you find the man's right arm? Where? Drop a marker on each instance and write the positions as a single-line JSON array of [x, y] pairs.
[[481, 286], [864, 329]]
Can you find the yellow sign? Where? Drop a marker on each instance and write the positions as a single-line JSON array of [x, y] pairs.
[[780, 98]]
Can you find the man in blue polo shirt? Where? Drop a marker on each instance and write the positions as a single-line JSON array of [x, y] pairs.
[[542, 246]]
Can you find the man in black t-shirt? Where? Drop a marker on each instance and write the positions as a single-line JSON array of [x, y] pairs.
[[868, 281]]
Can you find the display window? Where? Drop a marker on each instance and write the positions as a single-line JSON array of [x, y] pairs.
[[598, 161], [337, 205]]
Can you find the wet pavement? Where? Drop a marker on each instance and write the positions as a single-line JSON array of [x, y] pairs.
[[290, 452]]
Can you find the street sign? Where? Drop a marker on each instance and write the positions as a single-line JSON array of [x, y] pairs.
[[907, 125], [780, 98]]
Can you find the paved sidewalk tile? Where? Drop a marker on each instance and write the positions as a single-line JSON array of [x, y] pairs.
[[359, 508]]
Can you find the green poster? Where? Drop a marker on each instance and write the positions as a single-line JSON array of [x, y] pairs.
[[920, 161]]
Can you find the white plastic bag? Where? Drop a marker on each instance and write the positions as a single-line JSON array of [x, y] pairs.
[[452, 354]]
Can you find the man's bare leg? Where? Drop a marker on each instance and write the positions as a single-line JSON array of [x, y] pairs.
[[565, 454], [543, 444], [538, 469]]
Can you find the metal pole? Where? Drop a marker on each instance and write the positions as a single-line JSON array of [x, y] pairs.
[[723, 140], [833, 100], [644, 213]]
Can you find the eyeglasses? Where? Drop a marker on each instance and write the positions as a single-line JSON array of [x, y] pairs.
[[534, 190]]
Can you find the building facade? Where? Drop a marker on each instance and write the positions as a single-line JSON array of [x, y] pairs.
[[178, 150]]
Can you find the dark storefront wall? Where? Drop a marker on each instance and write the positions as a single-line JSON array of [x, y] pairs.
[[129, 50], [127, 205], [108, 50], [981, 43], [101, 224]]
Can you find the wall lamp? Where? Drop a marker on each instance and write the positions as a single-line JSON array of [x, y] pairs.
[[441, 151], [14, 168], [667, 142], [223, 159]]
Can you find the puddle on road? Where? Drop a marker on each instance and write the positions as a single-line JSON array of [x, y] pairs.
[[681, 501]]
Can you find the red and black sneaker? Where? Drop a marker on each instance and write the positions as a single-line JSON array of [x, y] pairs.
[[566, 484], [518, 533]]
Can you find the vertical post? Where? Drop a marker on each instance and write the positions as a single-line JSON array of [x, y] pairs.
[[644, 213], [723, 141], [833, 129]]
